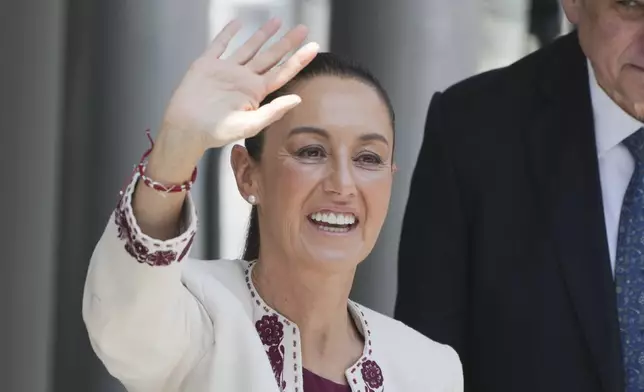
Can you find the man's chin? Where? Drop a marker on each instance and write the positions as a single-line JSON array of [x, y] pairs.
[[634, 104], [631, 98], [639, 111]]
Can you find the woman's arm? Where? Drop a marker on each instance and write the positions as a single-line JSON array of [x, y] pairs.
[[142, 322]]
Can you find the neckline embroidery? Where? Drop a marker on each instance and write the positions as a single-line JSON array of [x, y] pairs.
[[281, 339]]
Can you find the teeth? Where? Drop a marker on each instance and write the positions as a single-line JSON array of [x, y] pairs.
[[333, 218]]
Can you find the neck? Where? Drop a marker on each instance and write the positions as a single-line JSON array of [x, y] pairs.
[[315, 300]]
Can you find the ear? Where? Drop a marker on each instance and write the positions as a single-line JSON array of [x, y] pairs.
[[394, 168], [244, 169], [572, 9]]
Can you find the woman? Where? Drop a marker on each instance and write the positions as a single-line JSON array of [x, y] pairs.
[[319, 177]]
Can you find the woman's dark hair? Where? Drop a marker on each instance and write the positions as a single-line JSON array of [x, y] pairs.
[[324, 64]]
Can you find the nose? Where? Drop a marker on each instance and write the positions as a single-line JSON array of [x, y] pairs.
[[340, 179]]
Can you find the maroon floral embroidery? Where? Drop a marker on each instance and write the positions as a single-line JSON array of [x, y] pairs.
[[276, 356], [130, 250], [271, 333], [372, 375], [162, 257], [136, 248], [122, 225], [271, 330], [140, 249]]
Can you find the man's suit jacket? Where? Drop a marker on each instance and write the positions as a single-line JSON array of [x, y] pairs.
[[503, 252]]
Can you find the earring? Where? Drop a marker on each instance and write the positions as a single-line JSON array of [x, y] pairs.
[[252, 199]]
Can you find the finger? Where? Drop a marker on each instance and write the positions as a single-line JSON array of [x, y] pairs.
[[220, 42], [269, 113], [268, 59], [279, 76], [256, 41]]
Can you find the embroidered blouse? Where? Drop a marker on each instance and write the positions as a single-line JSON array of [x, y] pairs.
[[161, 321]]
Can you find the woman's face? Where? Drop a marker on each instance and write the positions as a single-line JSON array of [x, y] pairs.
[[324, 181]]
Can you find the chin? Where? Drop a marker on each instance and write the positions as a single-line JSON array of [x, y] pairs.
[[630, 96], [336, 259], [635, 106], [639, 111]]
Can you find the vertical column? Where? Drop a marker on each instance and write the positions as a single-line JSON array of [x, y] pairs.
[[31, 38], [124, 60], [503, 32]]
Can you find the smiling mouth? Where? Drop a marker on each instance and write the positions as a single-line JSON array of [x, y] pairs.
[[334, 222]]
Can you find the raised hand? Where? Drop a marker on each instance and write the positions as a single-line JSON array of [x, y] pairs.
[[218, 100], [217, 103]]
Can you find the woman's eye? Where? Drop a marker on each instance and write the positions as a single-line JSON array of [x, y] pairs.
[[631, 3], [369, 159], [311, 153]]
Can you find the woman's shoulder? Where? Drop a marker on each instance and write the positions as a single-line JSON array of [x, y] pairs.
[[230, 268], [401, 343], [215, 280], [389, 329]]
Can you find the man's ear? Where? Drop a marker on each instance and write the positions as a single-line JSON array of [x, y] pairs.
[[572, 9], [244, 169]]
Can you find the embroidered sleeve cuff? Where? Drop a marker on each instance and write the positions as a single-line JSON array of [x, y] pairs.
[[145, 249]]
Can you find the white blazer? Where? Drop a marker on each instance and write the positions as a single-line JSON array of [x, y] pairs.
[[194, 325]]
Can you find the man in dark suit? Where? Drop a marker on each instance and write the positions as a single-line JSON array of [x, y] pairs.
[[523, 240]]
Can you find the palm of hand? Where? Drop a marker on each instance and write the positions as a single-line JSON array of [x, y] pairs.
[[218, 99]]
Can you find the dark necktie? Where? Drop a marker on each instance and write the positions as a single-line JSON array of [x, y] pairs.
[[629, 269]]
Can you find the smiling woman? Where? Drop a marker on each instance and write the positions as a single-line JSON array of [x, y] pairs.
[[329, 127], [317, 168]]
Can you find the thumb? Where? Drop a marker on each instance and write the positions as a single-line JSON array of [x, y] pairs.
[[271, 112]]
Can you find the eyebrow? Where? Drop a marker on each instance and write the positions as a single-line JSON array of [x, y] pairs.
[[367, 137]]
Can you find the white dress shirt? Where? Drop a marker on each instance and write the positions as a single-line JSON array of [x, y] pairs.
[[616, 164]]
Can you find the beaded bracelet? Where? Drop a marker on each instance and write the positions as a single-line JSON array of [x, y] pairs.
[[183, 187]]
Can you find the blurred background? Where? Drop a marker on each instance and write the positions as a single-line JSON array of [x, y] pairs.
[[81, 81]]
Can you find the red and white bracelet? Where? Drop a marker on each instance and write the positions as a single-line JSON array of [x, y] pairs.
[[183, 187]]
